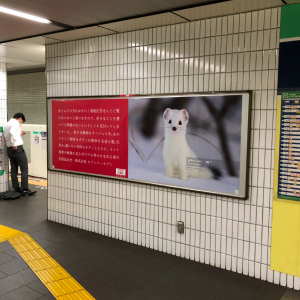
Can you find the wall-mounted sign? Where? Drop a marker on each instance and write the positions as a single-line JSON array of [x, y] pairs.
[[289, 150], [44, 139]]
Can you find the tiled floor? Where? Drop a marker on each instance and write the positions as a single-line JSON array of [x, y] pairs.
[[112, 269]]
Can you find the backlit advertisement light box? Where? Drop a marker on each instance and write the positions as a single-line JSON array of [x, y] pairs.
[[195, 142]]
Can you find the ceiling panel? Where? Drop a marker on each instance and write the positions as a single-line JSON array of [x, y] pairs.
[[82, 13], [12, 27], [145, 22], [24, 53], [14, 63], [292, 1], [227, 8], [30, 52], [35, 44], [13, 52], [78, 34]]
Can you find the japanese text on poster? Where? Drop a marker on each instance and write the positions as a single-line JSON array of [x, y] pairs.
[[91, 136]]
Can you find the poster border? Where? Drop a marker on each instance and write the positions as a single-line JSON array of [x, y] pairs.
[[247, 149]]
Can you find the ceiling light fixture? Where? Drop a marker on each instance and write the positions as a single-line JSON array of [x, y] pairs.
[[23, 15]]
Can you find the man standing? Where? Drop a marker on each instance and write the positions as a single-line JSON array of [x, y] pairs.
[[16, 153]]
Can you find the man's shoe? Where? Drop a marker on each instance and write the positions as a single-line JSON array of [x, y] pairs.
[[27, 192], [18, 190]]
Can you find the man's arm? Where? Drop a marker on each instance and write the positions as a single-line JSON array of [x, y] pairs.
[[14, 135]]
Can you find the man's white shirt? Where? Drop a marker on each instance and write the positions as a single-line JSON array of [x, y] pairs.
[[12, 133]]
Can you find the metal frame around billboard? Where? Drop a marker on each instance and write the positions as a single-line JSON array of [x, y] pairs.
[[245, 140]]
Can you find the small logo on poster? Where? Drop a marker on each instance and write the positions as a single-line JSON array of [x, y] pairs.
[[120, 172]]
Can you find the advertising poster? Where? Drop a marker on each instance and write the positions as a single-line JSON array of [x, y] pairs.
[[194, 142], [90, 136], [36, 136], [44, 140]]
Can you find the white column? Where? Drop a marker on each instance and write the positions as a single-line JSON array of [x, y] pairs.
[[3, 120]]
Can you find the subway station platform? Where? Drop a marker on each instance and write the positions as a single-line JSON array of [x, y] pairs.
[[103, 268]]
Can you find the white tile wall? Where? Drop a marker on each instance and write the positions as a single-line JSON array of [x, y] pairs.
[[3, 120], [235, 52]]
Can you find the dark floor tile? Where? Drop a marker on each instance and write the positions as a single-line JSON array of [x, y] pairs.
[[68, 246], [5, 246], [23, 293], [68, 259], [166, 260], [61, 237], [20, 223], [13, 253], [44, 224], [76, 255], [187, 286], [129, 262], [14, 266], [42, 234], [158, 292], [2, 215], [108, 272], [75, 230], [147, 251], [44, 243], [291, 294], [270, 292], [106, 243], [15, 281], [47, 297], [89, 236], [80, 240], [259, 289], [4, 258], [39, 287], [206, 273], [77, 273], [94, 281], [229, 295], [112, 291], [143, 275], [93, 262], [55, 252]]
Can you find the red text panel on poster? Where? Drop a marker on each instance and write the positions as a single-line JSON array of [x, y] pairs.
[[91, 136]]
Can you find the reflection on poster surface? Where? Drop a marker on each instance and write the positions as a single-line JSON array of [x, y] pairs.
[[191, 142]]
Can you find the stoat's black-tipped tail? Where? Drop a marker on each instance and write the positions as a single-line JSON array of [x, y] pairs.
[[217, 174]]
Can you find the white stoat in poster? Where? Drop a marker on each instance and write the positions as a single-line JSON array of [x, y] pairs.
[[176, 149]]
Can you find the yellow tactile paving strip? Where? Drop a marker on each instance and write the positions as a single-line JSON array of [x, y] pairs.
[[40, 183], [34, 182], [59, 282]]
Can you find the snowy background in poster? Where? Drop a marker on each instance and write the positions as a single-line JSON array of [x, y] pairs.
[[213, 133]]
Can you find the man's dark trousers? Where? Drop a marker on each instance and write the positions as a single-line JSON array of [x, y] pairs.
[[18, 158]]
